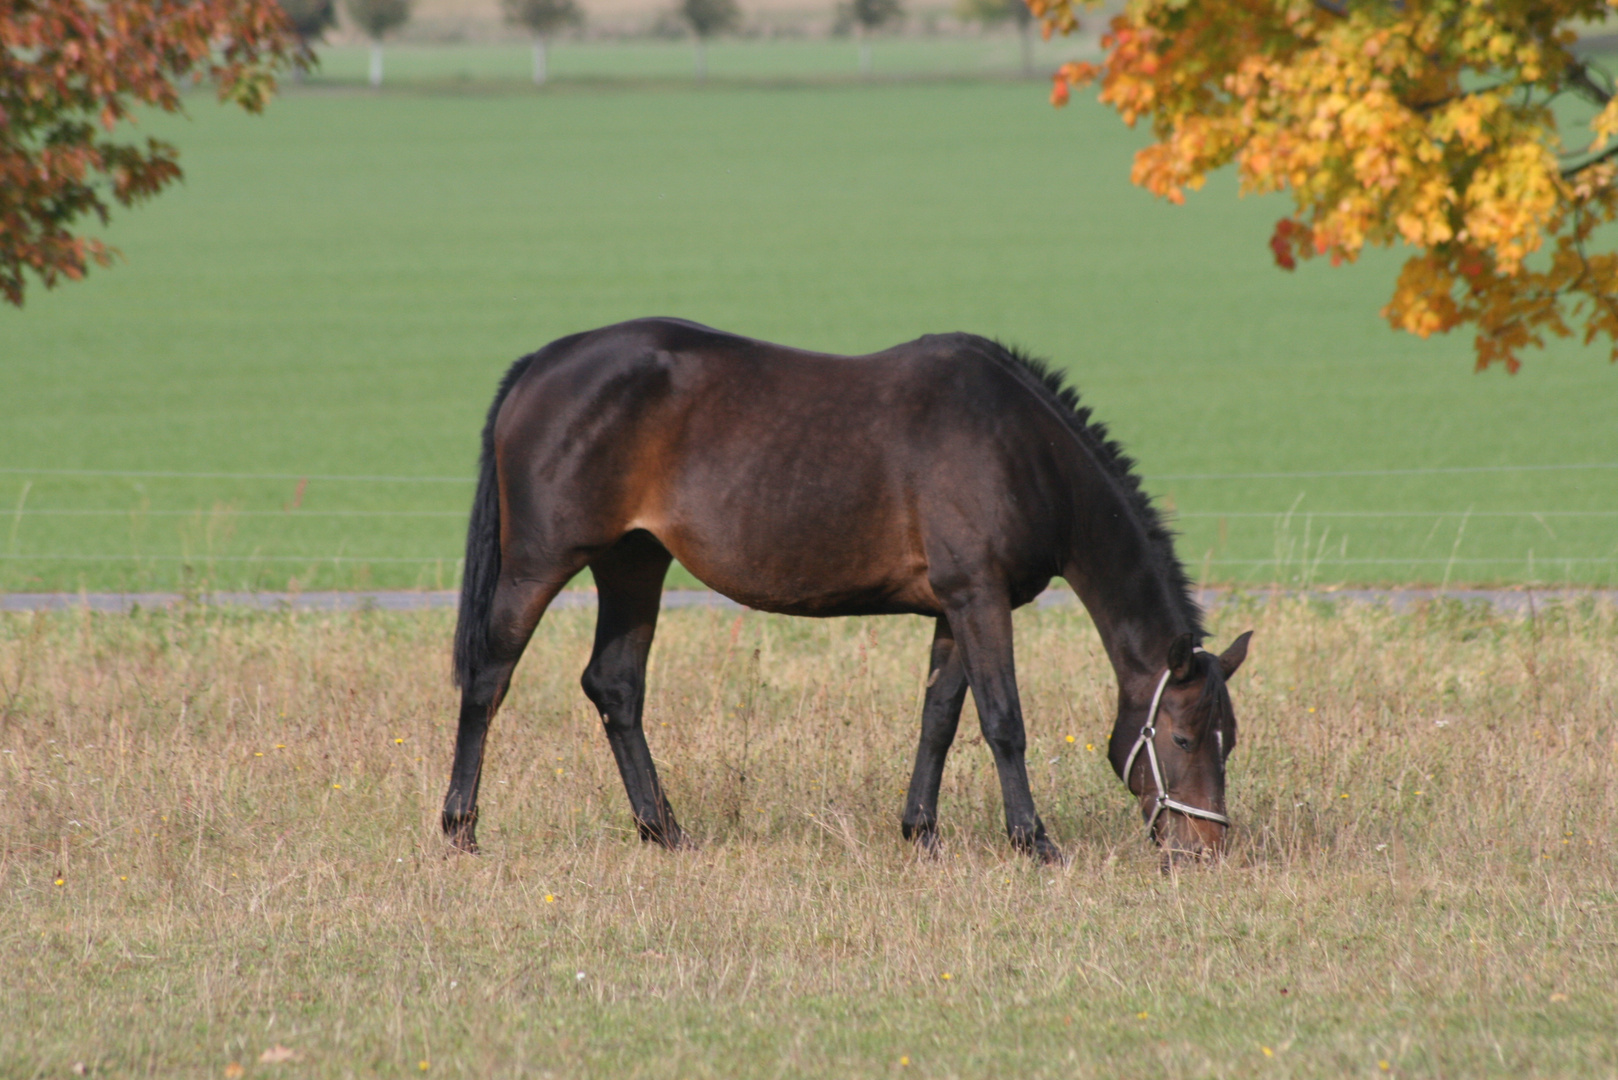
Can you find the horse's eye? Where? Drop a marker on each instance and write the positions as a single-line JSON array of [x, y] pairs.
[[1182, 742]]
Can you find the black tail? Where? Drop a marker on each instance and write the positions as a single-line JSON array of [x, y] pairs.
[[481, 573]]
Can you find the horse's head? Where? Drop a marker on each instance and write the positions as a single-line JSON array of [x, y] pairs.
[[1176, 766]]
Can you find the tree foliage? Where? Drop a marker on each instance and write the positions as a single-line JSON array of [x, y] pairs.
[[71, 73], [1438, 124], [543, 17], [710, 17], [989, 12], [310, 18], [994, 11], [377, 17], [875, 14]]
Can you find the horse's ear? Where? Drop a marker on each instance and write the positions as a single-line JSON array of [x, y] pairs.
[[1181, 652], [1232, 658]]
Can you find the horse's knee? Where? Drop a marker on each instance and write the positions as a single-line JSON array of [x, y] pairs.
[[596, 686], [936, 740], [481, 690], [1004, 742], [608, 691]]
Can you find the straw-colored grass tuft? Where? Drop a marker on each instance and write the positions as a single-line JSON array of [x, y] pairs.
[[219, 856]]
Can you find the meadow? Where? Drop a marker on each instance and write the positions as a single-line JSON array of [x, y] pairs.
[[281, 383], [219, 856]]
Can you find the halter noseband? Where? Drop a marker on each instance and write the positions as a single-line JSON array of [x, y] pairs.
[[1147, 737]]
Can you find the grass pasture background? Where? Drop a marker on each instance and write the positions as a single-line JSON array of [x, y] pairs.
[[218, 828], [336, 287], [219, 837]]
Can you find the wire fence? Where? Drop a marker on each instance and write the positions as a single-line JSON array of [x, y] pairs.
[[171, 474], [1292, 554], [351, 560], [52, 512], [1233, 514], [1434, 470]]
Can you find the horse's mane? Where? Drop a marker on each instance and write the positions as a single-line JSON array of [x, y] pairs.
[[1049, 383]]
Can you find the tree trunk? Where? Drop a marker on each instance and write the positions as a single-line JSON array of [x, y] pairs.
[[539, 60], [702, 60], [376, 63], [865, 50], [1025, 30]]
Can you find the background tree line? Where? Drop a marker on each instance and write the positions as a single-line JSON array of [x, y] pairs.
[[543, 20]]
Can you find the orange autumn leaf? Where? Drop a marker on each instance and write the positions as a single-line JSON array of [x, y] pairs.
[[70, 73], [1424, 125]]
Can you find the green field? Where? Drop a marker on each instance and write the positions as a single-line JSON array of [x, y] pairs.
[[338, 284]]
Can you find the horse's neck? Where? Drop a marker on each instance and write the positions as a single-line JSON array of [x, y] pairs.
[[1130, 583], [1137, 632], [1136, 627], [1132, 599]]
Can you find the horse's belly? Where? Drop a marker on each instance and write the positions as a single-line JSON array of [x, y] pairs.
[[808, 571], [833, 604]]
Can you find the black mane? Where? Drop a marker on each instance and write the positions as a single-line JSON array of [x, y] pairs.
[[1050, 383]]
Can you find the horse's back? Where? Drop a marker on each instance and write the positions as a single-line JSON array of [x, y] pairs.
[[788, 479]]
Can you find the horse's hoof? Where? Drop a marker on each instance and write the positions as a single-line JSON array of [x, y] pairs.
[[1042, 849], [672, 839], [924, 834], [1037, 846], [461, 832]]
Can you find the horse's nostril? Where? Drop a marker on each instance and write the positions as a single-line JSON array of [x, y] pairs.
[[1182, 742]]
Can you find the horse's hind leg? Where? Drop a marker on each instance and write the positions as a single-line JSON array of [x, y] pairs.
[[940, 714], [516, 610], [629, 582], [982, 628]]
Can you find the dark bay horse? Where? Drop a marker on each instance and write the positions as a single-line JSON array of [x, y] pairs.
[[947, 477]]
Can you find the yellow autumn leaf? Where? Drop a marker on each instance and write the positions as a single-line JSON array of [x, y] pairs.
[[1361, 117]]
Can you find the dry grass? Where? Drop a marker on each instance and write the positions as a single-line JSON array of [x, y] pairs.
[[241, 813]]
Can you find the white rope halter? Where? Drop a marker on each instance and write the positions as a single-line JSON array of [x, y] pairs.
[[1147, 738]]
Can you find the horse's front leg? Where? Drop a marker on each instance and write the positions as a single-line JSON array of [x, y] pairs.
[[981, 624], [629, 585], [940, 715]]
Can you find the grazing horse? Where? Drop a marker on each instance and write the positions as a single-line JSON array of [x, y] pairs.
[[948, 477]]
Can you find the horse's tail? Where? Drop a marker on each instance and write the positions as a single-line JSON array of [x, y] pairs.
[[481, 574]]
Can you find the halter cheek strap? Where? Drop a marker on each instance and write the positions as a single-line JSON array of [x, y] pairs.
[[1147, 739]]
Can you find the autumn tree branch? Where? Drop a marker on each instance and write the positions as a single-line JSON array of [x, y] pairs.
[[1579, 78], [1570, 171], [72, 72], [1379, 126]]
